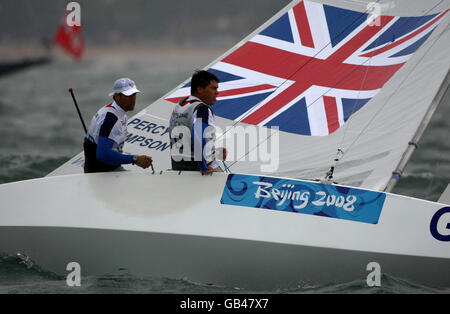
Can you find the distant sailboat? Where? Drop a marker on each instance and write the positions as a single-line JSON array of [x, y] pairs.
[[351, 94], [7, 67], [69, 38]]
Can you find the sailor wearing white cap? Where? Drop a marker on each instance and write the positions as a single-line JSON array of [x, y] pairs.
[[107, 132], [124, 86]]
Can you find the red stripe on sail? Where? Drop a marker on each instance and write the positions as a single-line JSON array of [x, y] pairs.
[[245, 90], [232, 92], [303, 25], [401, 41], [175, 100], [331, 113]]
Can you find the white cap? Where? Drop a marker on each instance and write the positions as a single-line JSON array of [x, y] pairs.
[[125, 86]]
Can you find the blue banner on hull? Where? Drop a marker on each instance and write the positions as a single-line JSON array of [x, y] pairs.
[[303, 197]]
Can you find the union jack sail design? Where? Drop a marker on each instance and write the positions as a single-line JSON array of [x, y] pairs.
[[314, 67]]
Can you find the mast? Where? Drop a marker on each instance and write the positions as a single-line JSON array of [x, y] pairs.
[[413, 144]]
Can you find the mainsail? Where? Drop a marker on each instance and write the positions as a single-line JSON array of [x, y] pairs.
[[332, 77]]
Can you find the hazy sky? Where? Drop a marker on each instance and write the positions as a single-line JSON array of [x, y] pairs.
[[138, 22]]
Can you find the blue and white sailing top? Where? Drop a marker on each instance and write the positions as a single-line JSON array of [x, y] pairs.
[[108, 129], [198, 118]]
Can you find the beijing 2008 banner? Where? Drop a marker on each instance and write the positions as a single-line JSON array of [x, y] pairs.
[[303, 197]]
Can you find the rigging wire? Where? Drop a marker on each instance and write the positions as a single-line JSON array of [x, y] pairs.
[[380, 109], [254, 108], [397, 173], [330, 172], [333, 88], [400, 84]]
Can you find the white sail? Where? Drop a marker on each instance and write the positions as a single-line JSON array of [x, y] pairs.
[[330, 76]]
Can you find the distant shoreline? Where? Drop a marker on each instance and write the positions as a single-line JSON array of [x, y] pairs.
[[15, 52]]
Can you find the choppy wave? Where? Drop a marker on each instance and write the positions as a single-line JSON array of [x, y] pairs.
[[389, 285], [423, 185], [18, 277]]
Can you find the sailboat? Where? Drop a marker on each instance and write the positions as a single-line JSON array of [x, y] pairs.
[[339, 98], [68, 38]]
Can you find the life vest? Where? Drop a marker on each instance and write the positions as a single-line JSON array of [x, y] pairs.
[[183, 115], [118, 134]]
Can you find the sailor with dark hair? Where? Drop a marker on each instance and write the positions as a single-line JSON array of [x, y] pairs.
[[106, 136], [194, 115]]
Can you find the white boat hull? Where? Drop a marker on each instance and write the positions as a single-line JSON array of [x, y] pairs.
[[155, 225]]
